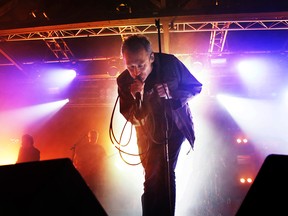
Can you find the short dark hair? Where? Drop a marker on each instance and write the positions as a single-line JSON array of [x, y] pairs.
[[28, 138], [135, 43]]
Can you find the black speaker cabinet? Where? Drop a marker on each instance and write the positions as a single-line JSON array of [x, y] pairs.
[[268, 193], [51, 187]]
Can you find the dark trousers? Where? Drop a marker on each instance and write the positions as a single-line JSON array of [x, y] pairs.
[[160, 187]]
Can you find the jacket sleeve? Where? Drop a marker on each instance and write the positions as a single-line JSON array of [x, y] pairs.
[[182, 84]]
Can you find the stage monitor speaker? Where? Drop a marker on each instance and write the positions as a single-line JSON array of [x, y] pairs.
[[267, 194], [48, 187]]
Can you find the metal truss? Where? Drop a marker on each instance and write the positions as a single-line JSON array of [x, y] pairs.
[[217, 38], [175, 27], [54, 36], [59, 48]]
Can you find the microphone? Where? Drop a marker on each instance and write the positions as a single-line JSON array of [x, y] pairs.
[[138, 95], [138, 100]]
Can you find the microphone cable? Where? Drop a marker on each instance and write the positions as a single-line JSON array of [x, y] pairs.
[[118, 143]]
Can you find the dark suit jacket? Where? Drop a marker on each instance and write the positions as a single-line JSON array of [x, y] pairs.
[[182, 86]]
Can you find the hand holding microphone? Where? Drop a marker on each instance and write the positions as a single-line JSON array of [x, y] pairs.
[[138, 100], [136, 89]]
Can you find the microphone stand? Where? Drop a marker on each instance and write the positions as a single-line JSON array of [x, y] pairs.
[[73, 147], [157, 23]]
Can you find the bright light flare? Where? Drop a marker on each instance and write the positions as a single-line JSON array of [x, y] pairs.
[[14, 124], [256, 75], [25, 116], [253, 70], [264, 121], [249, 180], [245, 180], [57, 80], [63, 76], [241, 140], [126, 180], [285, 98]]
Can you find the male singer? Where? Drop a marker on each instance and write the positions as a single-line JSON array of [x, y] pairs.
[[154, 91]]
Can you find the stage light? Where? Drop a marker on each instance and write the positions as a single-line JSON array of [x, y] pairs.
[[242, 180], [55, 82], [38, 14], [254, 74], [61, 75], [123, 7], [245, 180], [241, 140], [218, 62], [249, 180], [113, 71]]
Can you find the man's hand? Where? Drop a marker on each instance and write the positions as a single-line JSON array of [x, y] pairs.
[[136, 86], [163, 90]]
